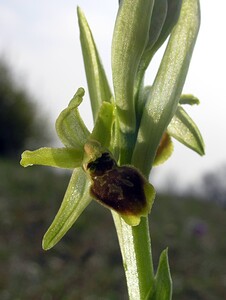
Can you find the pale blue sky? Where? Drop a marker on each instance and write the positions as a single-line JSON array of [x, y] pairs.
[[40, 39]]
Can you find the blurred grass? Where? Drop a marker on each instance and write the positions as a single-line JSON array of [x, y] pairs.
[[86, 264]]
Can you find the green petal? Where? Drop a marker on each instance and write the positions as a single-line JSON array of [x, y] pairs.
[[167, 87], [183, 128], [75, 201], [102, 130], [99, 89], [189, 99], [69, 125], [129, 41], [163, 288], [54, 157]]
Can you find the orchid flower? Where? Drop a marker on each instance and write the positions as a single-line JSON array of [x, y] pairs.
[[133, 131]]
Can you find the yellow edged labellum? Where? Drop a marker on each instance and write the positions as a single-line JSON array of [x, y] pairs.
[[121, 188]]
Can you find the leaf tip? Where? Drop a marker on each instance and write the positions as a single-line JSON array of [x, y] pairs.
[[49, 240], [202, 151], [79, 11], [46, 245]]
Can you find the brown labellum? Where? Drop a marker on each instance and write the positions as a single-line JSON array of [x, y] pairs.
[[119, 188]]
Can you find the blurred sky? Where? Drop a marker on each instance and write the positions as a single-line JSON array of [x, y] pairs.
[[40, 40]]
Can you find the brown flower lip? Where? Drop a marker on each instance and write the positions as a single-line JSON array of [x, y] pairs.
[[118, 188]]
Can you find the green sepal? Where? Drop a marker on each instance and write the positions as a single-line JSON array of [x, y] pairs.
[[75, 201], [164, 151], [163, 280], [128, 44], [69, 125], [54, 157], [184, 129], [102, 131], [189, 99], [98, 86], [163, 100]]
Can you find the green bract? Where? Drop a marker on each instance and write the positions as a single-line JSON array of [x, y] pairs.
[[165, 16], [129, 41], [99, 90], [133, 130], [165, 93]]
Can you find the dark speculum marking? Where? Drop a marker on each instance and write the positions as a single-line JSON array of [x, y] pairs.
[[101, 165], [120, 188]]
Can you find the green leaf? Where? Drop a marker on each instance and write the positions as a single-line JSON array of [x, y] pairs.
[[163, 100], [54, 157], [69, 125], [189, 99], [163, 281], [102, 130], [99, 89], [75, 201], [183, 129], [129, 41]]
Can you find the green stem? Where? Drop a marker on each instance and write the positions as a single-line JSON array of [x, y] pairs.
[[157, 114], [134, 241], [135, 247]]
